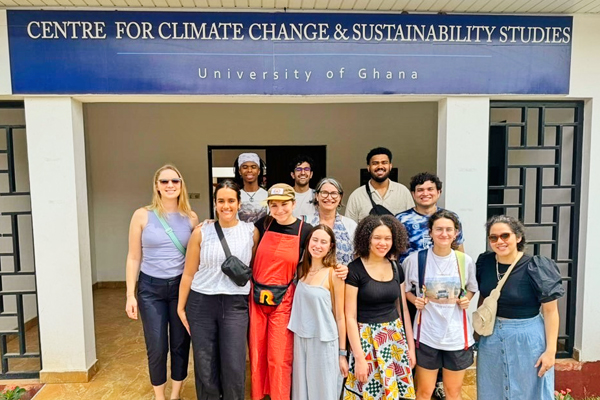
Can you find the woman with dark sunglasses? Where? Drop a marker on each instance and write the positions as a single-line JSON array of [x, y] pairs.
[[517, 360], [157, 255]]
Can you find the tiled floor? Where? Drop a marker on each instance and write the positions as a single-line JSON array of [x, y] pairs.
[[121, 356]]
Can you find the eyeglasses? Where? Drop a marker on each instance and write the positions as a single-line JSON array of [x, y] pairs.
[[166, 181], [503, 236], [334, 195], [300, 169]]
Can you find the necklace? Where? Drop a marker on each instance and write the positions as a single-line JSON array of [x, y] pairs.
[[449, 265], [314, 272], [250, 196], [498, 274]]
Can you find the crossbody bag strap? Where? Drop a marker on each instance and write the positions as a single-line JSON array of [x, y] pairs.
[[512, 266], [222, 239], [370, 196], [169, 232]]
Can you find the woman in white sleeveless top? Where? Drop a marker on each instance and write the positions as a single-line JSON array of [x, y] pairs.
[[212, 307]]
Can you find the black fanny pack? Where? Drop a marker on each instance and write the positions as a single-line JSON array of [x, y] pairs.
[[268, 295], [377, 209], [233, 267]]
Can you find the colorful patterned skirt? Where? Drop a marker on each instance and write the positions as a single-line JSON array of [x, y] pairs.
[[389, 373]]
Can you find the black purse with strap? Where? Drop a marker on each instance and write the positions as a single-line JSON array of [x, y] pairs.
[[377, 209], [233, 267]]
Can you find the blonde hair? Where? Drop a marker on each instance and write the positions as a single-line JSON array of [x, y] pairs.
[[183, 204]]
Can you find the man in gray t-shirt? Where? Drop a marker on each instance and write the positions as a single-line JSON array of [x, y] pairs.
[[301, 170]]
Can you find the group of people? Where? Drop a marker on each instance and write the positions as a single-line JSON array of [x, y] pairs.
[[370, 305]]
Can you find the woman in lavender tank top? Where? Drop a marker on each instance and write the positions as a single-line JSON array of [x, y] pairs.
[[155, 257]]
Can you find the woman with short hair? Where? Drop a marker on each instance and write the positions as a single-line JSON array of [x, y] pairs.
[[328, 201], [444, 279], [157, 255]]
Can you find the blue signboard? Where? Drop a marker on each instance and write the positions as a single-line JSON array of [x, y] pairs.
[[122, 52]]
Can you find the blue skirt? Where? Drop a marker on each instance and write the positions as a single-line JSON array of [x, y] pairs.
[[506, 360]]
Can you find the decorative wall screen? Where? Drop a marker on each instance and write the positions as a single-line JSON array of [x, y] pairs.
[[19, 332], [535, 175]]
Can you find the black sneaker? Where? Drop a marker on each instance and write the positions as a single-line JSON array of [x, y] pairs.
[[439, 392]]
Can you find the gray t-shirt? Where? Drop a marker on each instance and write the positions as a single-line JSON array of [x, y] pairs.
[[304, 205]]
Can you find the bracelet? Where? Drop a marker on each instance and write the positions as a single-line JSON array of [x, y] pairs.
[[343, 352]]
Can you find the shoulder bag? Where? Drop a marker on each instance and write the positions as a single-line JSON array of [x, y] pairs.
[[377, 209], [233, 267], [485, 316]]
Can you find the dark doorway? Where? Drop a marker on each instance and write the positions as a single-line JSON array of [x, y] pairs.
[[276, 158]]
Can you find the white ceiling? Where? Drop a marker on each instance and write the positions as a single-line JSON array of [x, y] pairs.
[[449, 6]]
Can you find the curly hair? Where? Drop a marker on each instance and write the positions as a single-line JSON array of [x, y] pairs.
[[329, 261], [364, 232], [514, 224], [423, 177], [445, 214], [377, 151], [299, 159]]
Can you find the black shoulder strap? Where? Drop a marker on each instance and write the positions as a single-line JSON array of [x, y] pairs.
[[222, 239], [369, 193], [422, 263]]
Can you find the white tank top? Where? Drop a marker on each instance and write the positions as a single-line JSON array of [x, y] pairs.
[[209, 279]]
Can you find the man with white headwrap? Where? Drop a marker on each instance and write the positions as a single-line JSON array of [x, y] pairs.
[[249, 173]]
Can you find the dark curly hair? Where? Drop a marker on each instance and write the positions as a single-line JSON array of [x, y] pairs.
[[423, 177], [238, 177], [514, 224], [446, 215], [377, 151], [299, 159], [364, 231]]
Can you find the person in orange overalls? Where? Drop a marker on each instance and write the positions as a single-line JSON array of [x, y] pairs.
[[274, 268]]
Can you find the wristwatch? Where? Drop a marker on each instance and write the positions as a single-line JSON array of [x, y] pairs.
[[343, 352]]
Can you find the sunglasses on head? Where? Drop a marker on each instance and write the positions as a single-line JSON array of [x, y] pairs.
[[503, 236], [166, 181]]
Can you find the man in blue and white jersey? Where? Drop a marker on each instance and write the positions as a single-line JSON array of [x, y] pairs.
[[425, 189]]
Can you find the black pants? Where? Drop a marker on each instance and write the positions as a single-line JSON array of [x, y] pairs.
[[157, 304], [219, 327]]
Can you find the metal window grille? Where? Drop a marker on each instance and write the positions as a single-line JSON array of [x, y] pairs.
[[534, 174], [19, 346]]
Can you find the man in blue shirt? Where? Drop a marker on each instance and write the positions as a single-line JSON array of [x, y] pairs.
[[425, 189]]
